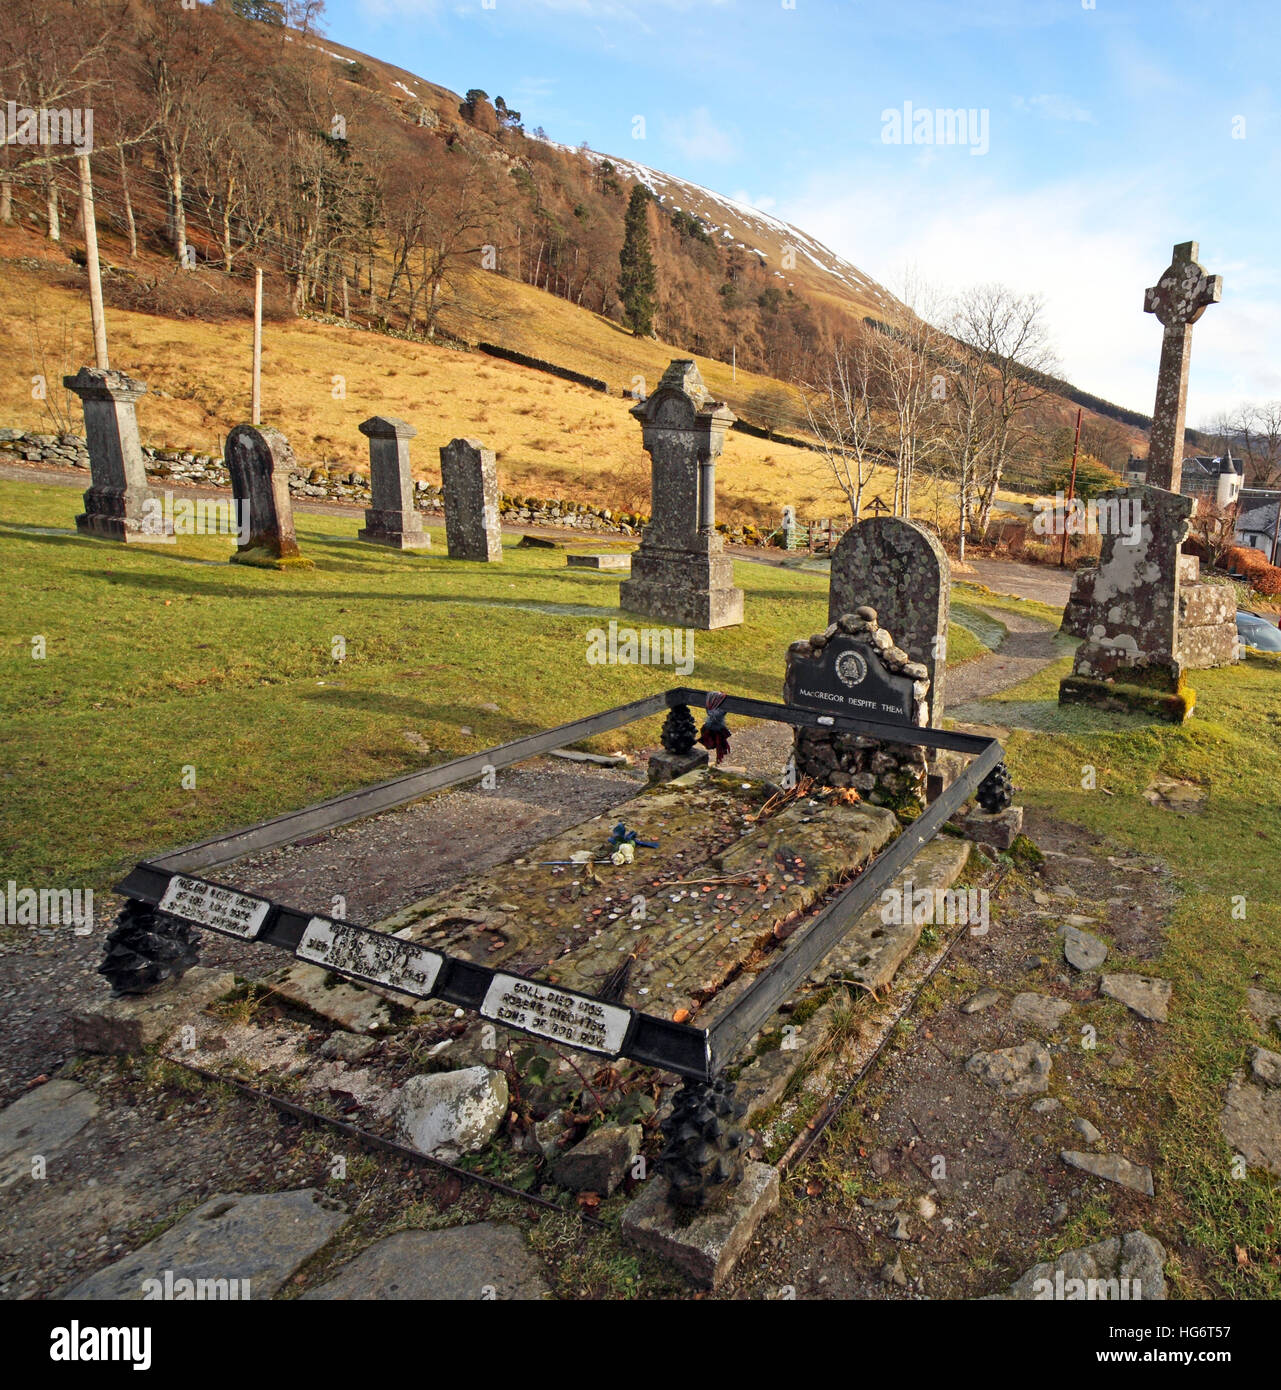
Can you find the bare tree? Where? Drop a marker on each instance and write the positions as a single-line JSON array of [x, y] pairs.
[[838, 408], [907, 353], [1008, 335], [51, 61], [1256, 430]]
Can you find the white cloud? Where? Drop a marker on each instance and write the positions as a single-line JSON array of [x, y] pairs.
[[1088, 246], [762, 203], [1053, 107], [698, 137]]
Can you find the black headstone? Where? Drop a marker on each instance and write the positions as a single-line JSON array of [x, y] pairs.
[[849, 678]]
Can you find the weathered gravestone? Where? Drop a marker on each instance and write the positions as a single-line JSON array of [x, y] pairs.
[[1129, 658], [259, 461], [469, 484], [899, 569], [680, 573], [119, 505], [392, 519], [1142, 614], [1178, 299]]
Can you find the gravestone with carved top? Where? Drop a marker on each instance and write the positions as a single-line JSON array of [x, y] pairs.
[[899, 569], [680, 573], [469, 485], [1178, 299], [392, 519], [120, 505]]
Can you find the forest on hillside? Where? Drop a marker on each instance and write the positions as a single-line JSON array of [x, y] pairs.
[[226, 135]]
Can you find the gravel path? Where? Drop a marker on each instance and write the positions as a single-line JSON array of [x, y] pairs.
[[1029, 646], [1043, 583]]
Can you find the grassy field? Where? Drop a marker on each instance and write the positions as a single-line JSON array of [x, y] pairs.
[[552, 438], [163, 659]]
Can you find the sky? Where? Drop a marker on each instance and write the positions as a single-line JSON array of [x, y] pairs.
[[1104, 132]]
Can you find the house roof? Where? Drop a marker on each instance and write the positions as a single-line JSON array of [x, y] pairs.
[[1258, 521]]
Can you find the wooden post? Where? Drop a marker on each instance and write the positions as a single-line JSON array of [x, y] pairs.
[[1071, 489], [256, 411], [91, 262]]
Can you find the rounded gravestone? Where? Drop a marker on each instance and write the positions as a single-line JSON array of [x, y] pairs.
[[899, 569]]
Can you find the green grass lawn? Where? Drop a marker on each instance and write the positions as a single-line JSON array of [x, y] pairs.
[[164, 659]]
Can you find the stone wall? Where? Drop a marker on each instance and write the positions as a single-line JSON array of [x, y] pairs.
[[189, 466]]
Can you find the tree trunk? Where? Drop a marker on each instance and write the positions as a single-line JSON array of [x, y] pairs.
[[51, 208], [179, 214], [6, 201], [130, 225]]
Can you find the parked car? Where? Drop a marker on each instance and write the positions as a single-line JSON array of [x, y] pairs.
[[1258, 632]]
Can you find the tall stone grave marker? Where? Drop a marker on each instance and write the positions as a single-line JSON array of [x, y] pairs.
[[469, 482], [1130, 658], [1178, 299], [119, 505], [392, 519], [899, 569], [259, 461], [680, 572]]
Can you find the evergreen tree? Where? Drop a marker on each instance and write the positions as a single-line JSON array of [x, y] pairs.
[[638, 282]]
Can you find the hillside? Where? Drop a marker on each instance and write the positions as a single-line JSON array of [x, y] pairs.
[[377, 200]]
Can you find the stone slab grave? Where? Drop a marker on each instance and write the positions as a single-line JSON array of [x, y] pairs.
[[392, 519], [469, 483], [606, 560], [259, 462], [681, 573], [120, 505], [683, 928]]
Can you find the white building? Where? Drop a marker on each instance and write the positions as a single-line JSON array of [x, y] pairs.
[[1215, 478]]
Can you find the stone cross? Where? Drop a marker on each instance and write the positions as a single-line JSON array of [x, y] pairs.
[[899, 569], [120, 505], [469, 484], [1177, 299], [681, 573], [392, 519], [259, 461]]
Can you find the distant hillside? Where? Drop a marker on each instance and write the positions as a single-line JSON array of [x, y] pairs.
[[370, 194]]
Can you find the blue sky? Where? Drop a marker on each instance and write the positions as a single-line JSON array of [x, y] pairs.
[[1114, 130]]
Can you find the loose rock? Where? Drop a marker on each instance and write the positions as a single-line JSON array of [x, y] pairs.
[[454, 1112], [1082, 950], [1148, 997], [1013, 1071], [1113, 1168]]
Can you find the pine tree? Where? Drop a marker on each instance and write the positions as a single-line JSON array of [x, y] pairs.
[[638, 282]]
